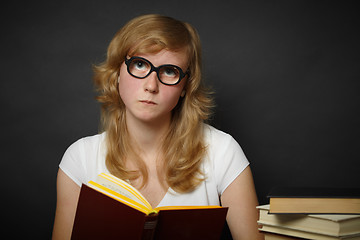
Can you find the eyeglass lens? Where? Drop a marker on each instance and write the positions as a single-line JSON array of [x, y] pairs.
[[141, 68]]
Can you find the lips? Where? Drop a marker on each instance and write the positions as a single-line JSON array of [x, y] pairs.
[[148, 102]]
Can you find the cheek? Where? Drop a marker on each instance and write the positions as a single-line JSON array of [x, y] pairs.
[[172, 97], [172, 100], [126, 87]]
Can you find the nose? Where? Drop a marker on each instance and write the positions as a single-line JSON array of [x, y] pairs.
[[151, 83]]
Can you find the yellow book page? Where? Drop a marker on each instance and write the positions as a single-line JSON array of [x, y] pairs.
[[123, 188], [127, 194], [119, 197], [184, 207]]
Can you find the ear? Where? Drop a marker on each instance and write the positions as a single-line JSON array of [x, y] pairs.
[[183, 93]]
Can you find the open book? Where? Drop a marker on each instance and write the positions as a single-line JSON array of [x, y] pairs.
[[110, 208]]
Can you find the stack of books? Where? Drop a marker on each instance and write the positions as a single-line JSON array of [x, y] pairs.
[[311, 213]]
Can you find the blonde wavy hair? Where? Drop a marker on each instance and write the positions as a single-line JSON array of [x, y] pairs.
[[183, 147]]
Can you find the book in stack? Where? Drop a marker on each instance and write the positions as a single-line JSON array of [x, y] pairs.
[[311, 213], [110, 208]]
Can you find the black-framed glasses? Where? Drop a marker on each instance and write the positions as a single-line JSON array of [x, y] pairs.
[[167, 74]]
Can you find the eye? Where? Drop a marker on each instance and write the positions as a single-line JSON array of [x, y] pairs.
[[169, 71], [140, 64]]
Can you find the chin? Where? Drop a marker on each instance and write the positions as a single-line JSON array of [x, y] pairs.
[[151, 119]]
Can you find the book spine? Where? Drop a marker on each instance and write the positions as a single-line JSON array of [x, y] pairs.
[[149, 227]]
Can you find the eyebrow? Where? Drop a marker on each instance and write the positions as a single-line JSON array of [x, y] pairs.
[[141, 56]]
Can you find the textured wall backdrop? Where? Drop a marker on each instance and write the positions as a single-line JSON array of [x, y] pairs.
[[286, 75]]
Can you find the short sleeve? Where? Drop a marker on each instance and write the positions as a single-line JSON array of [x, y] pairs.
[[228, 159], [71, 163]]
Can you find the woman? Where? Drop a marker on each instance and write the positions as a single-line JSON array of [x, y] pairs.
[[154, 106]]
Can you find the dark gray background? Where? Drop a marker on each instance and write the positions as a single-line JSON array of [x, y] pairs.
[[286, 75]]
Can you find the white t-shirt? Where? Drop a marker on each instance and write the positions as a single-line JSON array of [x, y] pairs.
[[225, 160]]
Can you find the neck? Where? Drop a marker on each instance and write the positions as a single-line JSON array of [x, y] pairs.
[[148, 136]]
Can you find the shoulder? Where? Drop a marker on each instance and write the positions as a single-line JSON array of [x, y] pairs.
[[89, 141], [226, 159], [87, 145], [217, 139], [82, 158], [220, 143], [212, 133]]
